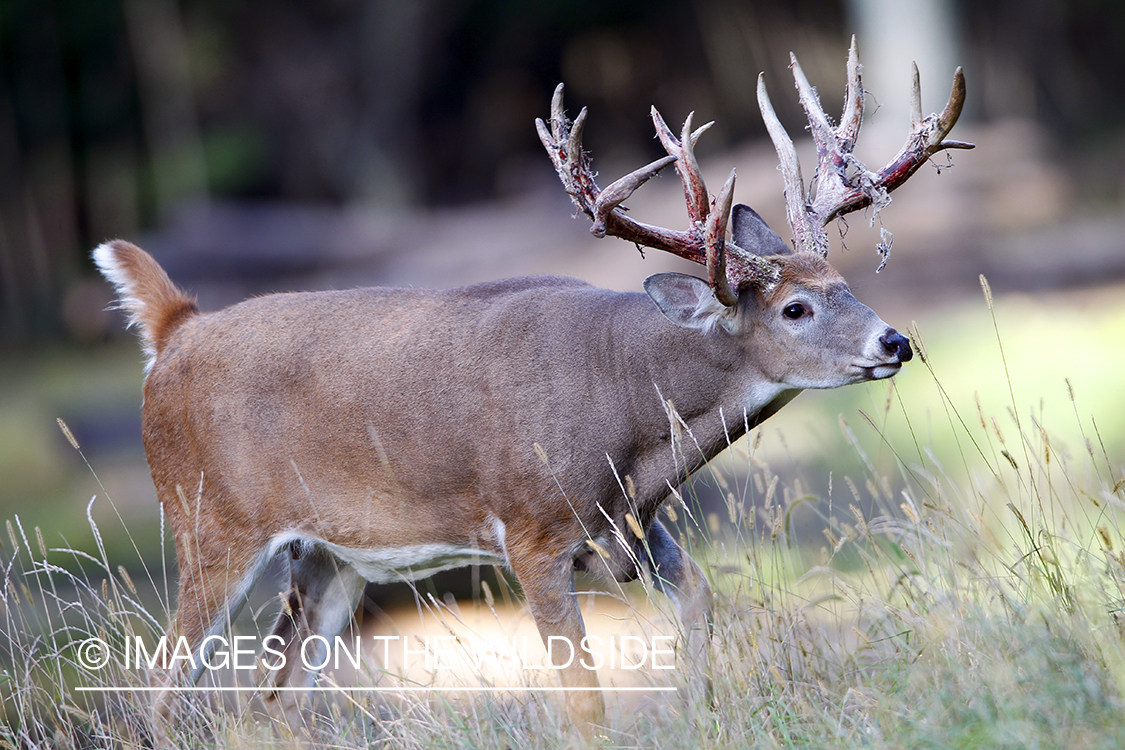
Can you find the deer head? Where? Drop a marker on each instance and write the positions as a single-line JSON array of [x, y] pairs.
[[787, 299]]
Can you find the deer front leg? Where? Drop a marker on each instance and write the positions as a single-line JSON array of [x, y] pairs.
[[677, 575], [548, 586]]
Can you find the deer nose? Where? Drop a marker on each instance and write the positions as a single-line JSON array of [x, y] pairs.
[[896, 344]]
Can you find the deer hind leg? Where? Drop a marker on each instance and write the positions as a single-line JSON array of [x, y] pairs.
[[214, 584], [321, 599], [677, 575], [548, 586]]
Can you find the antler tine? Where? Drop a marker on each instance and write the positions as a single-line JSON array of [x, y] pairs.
[[852, 116], [574, 142], [695, 192], [952, 112], [558, 119], [663, 131], [620, 190], [806, 235], [810, 102], [714, 241], [915, 97]]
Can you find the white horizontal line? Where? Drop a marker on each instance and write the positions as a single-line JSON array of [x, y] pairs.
[[226, 689]]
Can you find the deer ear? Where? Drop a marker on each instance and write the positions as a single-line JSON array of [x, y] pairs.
[[687, 301], [753, 235]]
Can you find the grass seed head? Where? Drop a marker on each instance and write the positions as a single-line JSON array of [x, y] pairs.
[[599, 549], [909, 512], [770, 492], [996, 429], [121, 570], [182, 496], [635, 527], [916, 339], [69, 435], [987, 289], [862, 523]]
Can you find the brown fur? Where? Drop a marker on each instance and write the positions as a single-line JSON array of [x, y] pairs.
[[804, 270]]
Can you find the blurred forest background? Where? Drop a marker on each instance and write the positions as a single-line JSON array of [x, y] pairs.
[[261, 145]]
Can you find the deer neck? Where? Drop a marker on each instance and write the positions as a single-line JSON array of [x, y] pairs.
[[704, 396]]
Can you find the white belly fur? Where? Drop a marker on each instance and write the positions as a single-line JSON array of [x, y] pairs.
[[391, 564]]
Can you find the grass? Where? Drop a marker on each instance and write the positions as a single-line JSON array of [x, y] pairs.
[[955, 580]]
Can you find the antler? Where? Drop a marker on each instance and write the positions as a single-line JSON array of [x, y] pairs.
[[703, 242], [842, 183]]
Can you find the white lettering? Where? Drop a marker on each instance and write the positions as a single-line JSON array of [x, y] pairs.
[[280, 661], [551, 640], [323, 653], [600, 660]]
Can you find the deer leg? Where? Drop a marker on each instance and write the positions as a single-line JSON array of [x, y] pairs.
[[321, 599], [548, 586], [677, 575], [213, 587]]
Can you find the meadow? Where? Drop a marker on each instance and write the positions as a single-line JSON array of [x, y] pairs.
[[937, 562]]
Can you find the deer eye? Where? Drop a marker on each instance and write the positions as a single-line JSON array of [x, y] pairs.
[[795, 311]]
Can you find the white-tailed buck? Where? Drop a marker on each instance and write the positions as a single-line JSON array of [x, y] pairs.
[[382, 434]]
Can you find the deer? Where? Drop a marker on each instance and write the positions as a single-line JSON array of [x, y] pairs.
[[383, 434]]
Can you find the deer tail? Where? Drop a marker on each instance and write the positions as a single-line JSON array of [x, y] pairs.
[[154, 304]]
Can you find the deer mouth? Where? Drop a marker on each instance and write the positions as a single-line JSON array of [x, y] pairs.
[[881, 371]]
